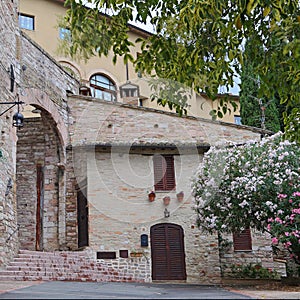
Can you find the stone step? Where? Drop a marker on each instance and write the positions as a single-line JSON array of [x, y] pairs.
[[68, 266]]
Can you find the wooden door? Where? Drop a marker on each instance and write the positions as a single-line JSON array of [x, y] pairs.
[[39, 207], [82, 218], [167, 251]]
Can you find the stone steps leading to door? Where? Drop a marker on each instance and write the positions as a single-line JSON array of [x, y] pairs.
[[62, 265]]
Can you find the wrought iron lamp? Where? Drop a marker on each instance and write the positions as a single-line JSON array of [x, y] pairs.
[[18, 118]]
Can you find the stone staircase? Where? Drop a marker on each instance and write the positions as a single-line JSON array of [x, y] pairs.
[[61, 265]]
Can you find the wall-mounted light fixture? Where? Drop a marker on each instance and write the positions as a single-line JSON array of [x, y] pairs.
[[166, 213], [18, 118], [8, 187]]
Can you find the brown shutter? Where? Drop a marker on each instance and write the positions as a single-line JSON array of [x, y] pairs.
[[170, 173], [242, 240], [164, 173], [159, 171]]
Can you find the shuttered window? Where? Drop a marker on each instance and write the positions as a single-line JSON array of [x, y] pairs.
[[164, 174], [242, 240]]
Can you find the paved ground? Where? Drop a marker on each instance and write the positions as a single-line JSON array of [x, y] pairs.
[[88, 290]]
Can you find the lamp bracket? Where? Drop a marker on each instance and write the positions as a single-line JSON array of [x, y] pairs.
[[12, 105]]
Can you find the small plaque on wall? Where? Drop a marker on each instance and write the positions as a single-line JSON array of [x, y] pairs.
[[144, 240]]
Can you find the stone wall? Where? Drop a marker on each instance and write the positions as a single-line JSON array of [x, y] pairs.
[[94, 121], [39, 80], [38, 147], [261, 254], [9, 39]]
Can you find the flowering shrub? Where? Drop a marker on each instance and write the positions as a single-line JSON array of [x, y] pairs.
[[240, 186], [256, 271], [285, 225]]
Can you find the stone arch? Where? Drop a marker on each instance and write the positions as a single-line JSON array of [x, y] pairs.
[[40, 176], [39, 99], [72, 68]]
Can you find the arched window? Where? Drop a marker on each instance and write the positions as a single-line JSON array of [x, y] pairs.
[[102, 87]]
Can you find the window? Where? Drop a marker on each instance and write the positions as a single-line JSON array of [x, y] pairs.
[[102, 88], [65, 34], [26, 22], [106, 255], [237, 120], [242, 240], [164, 172]]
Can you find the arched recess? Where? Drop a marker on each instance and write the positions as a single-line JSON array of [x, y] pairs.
[[167, 252], [71, 68], [40, 181], [39, 99]]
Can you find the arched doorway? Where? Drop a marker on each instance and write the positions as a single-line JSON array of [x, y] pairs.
[[167, 252], [39, 177]]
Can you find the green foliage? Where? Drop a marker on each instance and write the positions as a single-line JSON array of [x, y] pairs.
[[255, 271], [199, 43], [261, 113]]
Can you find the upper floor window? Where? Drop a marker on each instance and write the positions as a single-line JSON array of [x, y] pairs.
[[64, 34], [102, 87], [237, 120], [164, 172], [26, 22]]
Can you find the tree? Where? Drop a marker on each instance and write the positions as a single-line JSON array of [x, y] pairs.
[[199, 43], [263, 113], [255, 185]]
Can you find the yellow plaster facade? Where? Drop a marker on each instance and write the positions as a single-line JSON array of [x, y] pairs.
[[45, 33]]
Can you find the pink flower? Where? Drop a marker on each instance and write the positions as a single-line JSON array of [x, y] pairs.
[[269, 227], [291, 201], [287, 244], [274, 241], [282, 196], [286, 234], [278, 220], [296, 194]]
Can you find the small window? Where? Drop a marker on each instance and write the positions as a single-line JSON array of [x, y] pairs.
[[26, 22], [65, 34], [102, 87], [164, 172], [123, 253], [237, 120], [242, 240], [106, 255]]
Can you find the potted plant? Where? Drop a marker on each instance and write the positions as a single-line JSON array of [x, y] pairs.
[[166, 200], [180, 196], [151, 196], [135, 253]]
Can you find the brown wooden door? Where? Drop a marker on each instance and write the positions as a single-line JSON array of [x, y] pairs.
[[167, 250], [39, 207], [82, 218]]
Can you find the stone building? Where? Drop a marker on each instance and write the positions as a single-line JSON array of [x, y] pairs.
[[77, 176]]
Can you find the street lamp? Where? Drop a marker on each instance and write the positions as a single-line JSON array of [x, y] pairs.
[[18, 118]]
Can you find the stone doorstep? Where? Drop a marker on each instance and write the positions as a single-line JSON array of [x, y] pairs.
[[241, 282]]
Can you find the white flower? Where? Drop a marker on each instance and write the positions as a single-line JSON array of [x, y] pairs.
[[244, 203]]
